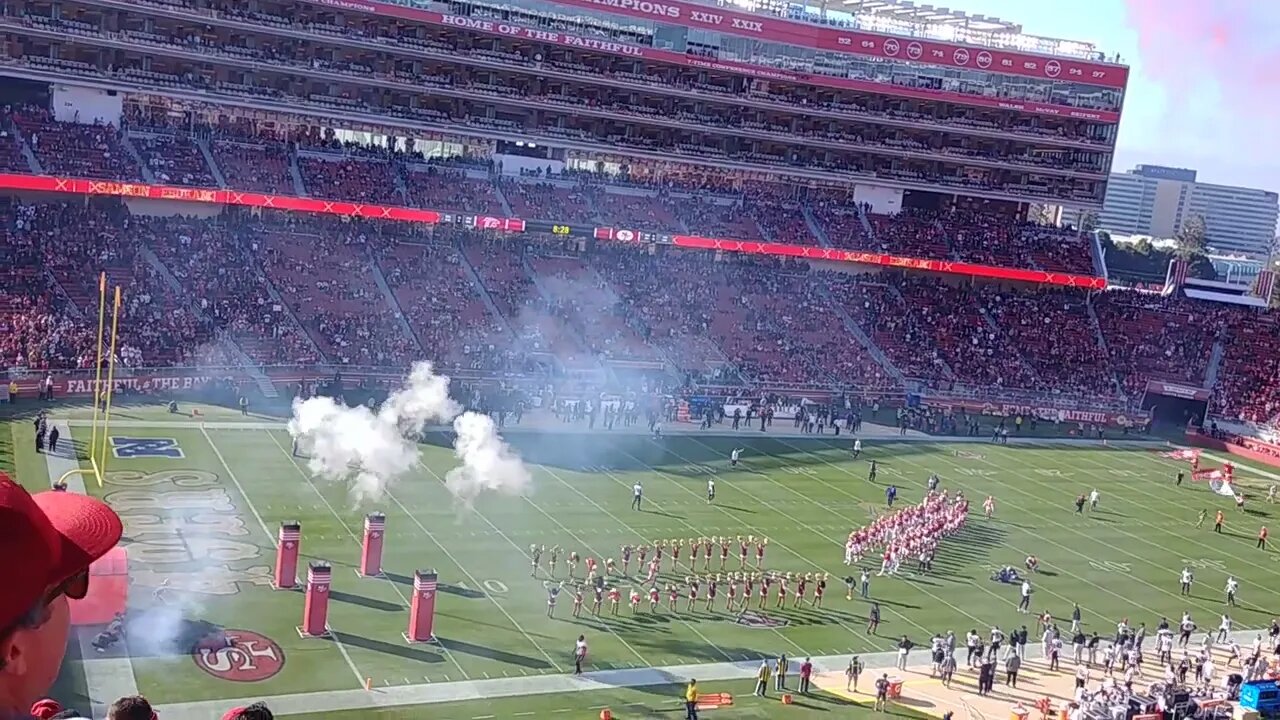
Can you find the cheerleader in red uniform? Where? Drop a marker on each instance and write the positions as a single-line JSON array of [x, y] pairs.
[[577, 601], [673, 594], [819, 589], [653, 599], [743, 551], [760, 546], [693, 591], [800, 588], [724, 552], [713, 583]]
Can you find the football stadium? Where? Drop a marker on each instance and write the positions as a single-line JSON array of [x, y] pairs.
[[610, 358]]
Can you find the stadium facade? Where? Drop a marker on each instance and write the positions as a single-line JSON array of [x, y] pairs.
[[579, 83]]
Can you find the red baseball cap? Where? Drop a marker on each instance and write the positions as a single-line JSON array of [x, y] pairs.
[[47, 539]]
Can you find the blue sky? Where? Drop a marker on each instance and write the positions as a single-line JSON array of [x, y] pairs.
[[1204, 88]]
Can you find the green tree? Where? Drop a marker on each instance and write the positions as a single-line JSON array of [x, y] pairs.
[[1088, 221], [1192, 238]]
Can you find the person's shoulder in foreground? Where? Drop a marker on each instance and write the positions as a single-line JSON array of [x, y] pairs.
[[256, 711], [47, 542]]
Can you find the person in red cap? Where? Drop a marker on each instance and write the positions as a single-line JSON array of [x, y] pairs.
[[47, 542]]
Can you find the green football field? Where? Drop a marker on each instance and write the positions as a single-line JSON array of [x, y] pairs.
[[201, 524]]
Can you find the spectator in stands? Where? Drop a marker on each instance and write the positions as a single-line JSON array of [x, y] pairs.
[[256, 711], [131, 707], [47, 542]]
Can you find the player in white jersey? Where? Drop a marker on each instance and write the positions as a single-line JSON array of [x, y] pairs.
[[734, 456], [1185, 579], [711, 489], [1093, 499], [1232, 586]]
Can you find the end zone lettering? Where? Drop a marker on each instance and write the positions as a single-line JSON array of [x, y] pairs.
[[84, 386]]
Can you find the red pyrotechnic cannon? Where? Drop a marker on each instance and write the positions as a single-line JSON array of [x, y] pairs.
[[375, 526], [287, 556], [422, 610], [315, 612]]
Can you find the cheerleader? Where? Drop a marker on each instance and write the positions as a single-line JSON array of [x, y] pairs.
[[591, 566], [554, 559], [597, 601], [765, 580], [706, 553], [692, 582], [782, 590], [819, 587], [800, 588], [642, 552], [610, 568], [615, 595], [658, 547], [673, 594], [573, 562], [535, 559], [626, 559], [760, 548], [676, 546], [577, 601], [748, 584], [635, 601], [743, 551], [732, 600], [724, 552], [694, 547], [553, 594], [653, 571], [712, 584], [653, 598]]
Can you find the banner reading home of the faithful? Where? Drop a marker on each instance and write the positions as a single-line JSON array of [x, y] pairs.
[[1137, 419]]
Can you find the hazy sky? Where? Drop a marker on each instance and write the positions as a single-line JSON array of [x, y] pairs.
[[1204, 87]]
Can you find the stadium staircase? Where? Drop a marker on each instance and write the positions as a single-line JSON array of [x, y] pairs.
[[1102, 337], [130, 148], [203, 144], [1099, 257], [32, 161], [225, 342], [485, 297], [397, 172], [277, 299], [502, 198], [550, 299], [390, 297], [1215, 364], [942, 364], [995, 328], [863, 339], [299, 187], [815, 227], [866, 224]]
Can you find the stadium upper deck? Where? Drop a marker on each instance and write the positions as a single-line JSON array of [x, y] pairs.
[[817, 102]]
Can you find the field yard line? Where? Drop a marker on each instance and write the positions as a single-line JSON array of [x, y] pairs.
[[105, 679], [1142, 560], [977, 581], [471, 577], [1183, 521], [590, 547], [275, 541], [775, 631], [971, 488], [675, 481], [837, 543], [306, 477], [1016, 488], [461, 691]]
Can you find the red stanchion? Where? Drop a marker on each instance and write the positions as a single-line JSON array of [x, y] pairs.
[[422, 610], [287, 556], [375, 525], [315, 611]]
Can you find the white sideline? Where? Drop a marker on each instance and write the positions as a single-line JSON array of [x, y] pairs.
[[106, 679]]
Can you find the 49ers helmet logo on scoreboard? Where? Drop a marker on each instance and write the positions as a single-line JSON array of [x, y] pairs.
[[238, 656], [1053, 68], [960, 56], [891, 47], [626, 235], [984, 59]]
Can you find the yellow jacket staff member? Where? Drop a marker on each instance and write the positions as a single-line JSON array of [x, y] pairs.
[[691, 701]]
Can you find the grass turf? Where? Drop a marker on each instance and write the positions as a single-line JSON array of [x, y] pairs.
[[205, 522]]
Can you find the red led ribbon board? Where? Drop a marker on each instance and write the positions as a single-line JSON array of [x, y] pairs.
[[979, 57], [81, 186]]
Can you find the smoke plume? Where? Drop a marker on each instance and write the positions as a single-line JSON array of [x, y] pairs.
[[371, 450]]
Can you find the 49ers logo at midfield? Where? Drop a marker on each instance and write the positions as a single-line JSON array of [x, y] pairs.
[[239, 656]]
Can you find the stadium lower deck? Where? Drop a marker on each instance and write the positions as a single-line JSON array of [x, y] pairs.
[[804, 493]]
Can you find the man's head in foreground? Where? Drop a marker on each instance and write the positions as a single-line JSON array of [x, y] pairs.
[[47, 542]]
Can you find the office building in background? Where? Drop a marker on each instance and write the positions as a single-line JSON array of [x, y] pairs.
[[1158, 201]]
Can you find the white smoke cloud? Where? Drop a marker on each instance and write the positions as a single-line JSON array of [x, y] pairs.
[[371, 450]]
